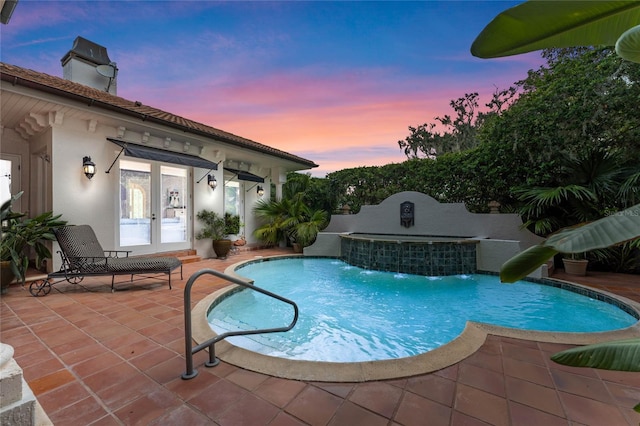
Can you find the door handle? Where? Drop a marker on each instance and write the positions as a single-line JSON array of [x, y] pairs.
[[153, 216]]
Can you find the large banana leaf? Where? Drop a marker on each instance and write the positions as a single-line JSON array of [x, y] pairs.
[[620, 355], [608, 231], [537, 25]]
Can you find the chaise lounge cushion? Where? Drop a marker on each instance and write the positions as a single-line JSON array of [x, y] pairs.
[[85, 254]]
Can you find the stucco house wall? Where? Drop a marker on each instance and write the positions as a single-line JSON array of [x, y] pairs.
[[51, 123]]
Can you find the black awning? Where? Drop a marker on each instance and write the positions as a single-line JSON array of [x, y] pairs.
[[242, 175], [157, 154]]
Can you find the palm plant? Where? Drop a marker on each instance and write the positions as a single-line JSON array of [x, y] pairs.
[[587, 186], [288, 218]]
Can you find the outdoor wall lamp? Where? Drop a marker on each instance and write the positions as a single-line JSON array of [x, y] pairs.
[[88, 167], [260, 191], [211, 180]]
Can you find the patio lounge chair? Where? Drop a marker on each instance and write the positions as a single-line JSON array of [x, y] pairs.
[[83, 256]]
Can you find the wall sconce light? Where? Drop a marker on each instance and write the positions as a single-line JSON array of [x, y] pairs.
[[260, 191], [88, 167], [211, 180]]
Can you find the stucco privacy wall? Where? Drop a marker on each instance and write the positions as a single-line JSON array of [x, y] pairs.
[[500, 235]]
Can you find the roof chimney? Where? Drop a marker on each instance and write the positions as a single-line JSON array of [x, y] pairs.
[[88, 63]]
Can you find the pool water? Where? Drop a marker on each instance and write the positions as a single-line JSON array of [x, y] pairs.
[[348, 314]]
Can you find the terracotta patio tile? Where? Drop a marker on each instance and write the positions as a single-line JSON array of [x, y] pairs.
[[43, 365], [187, 389], [156, 355], [31, 349], [82, 354], [99, 363], [626, 396], [149, 407], [279, 391], [166, 371], [127, 391], [108, 420], [123, 340], [492, 345], [485, 360], [151, 330], [80, 342], [433, 387], [314, 406], [482, 405], [415, 410], [622, 377], [182, 415], [115, 374], [534, 395], [248, 410], [581, 385], [136, 348], [526, 371], [354, 415], [589, 412], [168, 314], [482, 378], [461, 419], [63, 396], [379, 397], [169, 335], [83, 412], [523, 353], [249, 380], [106, 330], [525, 415], [339, 389], [217, 397], [223, 369], [285, 419]]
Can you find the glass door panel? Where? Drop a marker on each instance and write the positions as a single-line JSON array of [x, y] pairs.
[[174, 206], [135, 203]]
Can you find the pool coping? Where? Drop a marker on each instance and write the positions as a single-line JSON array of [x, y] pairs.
[[466, 344]]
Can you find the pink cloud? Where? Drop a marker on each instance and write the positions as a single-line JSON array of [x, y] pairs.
[[312, 111]]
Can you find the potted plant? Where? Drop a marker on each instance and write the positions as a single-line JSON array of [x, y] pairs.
[[217, 228], [575, 264], [19, 234]]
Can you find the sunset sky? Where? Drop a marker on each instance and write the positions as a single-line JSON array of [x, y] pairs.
[[337, 83]]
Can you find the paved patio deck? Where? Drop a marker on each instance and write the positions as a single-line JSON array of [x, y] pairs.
[[93, 357]]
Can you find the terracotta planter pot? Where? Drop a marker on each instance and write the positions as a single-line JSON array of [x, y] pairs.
[[222, 248], [575, 266]]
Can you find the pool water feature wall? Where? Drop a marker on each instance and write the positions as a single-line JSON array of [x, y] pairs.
[[497, 236], [410, 255]]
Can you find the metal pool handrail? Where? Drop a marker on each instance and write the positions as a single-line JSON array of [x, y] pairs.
[[213, 360]]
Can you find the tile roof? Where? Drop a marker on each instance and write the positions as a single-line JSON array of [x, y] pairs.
[[56, 85]]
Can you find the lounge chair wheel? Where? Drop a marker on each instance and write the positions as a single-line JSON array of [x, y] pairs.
[[75, 280], [40, 288]]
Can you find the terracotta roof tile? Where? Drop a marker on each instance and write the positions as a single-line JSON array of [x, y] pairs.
[[66, 88]]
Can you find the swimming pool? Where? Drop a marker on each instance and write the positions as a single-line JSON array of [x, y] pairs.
[[349, 315]]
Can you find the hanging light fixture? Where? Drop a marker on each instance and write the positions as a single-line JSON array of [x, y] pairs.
[[88, 167], [211, 180], [260, 191]]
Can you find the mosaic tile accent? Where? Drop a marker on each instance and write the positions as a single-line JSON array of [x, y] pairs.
[[410, 257]]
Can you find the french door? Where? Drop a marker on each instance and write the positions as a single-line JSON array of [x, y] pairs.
[[154, 207], [10, 179]]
